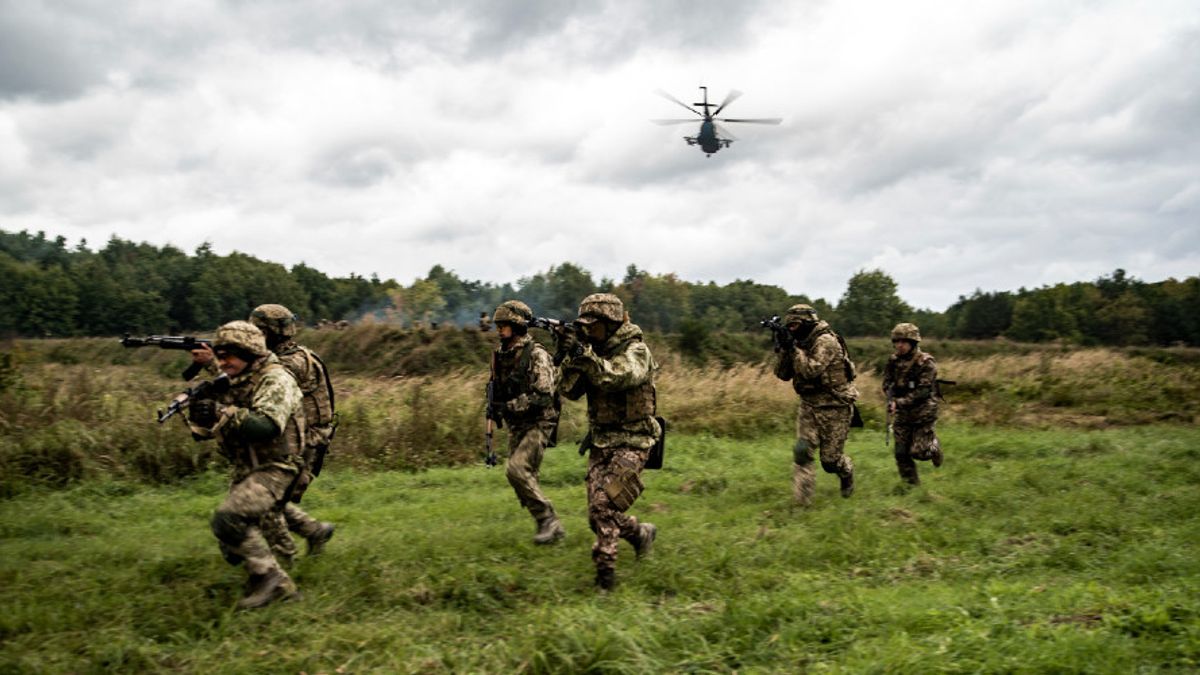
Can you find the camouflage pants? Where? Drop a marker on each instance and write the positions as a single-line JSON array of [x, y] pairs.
[[824, 429], [279, 525], [237, 522], [613, 483], [912, 442], [526, 447]]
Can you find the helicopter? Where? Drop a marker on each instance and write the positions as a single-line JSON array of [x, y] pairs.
[[712, 136]]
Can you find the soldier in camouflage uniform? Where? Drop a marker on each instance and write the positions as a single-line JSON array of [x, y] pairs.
[[816, 362], [258, 422], [911, 386], [525, 397], [612, 365], [278, 325]]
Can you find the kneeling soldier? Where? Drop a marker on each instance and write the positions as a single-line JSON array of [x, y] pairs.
[[259, 424], [525, 397], [911, 386]]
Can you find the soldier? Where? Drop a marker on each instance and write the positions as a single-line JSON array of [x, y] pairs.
[[816, 361], [525, 397], [258, 422], [278, 325], [608, 361], [911, 386]]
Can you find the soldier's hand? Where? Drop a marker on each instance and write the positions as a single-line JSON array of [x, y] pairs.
[[892, 407], [519, 404], [203, 413], [570, 345], [203, 355]]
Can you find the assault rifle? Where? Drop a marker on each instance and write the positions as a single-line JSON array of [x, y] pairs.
[[560, 329], [205, 389], [492, 419], [779, 332], [181, 342]]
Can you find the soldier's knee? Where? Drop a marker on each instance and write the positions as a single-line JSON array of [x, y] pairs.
[[515, 472], [229, 528], [802, 452], [831, 467]]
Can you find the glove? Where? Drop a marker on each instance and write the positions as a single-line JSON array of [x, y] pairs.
[[570, 345], [784, 341], [203, 413]]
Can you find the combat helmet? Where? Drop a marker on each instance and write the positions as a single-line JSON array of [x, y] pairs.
[[243, 338], [515, 312], [601, 306], [800, 313], [274, 319], [906, 331]]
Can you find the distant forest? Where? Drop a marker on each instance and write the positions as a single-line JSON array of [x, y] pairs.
[[48, 288]]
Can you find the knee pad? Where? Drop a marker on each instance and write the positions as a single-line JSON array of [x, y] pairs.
[[802, 452], [229, 528], [229, 556], [830, 467]]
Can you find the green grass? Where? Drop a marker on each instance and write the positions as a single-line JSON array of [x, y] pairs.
[[1029, 551]]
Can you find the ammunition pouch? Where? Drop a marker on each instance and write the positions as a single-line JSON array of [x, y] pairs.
[[624, 488]]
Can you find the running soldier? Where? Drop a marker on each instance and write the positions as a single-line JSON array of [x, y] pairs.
[[258, 422], [611, 364], [815, 360], [525, 397], [278, 325], [911, 386]]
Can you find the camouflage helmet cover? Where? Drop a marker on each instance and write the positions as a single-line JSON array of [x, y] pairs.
[[601, 306], [800, 313], [275, 319], [513, 311], [244, 336], [906, 331]]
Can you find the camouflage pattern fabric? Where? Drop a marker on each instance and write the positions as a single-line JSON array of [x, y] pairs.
[[912, 442], [911, 382], [613, 471], [621, 364], [237, 522], [303, 364], [817, 370], [824, 430], [526, 447], [278, 526]]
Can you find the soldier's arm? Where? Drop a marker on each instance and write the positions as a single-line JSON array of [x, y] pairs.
[[784, 368], [275, 401], [543, 383], [572, 384], [628, 369], [824, 351], [889, 377], [926, 375]]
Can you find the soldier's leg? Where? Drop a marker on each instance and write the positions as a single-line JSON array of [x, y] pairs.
[[925, 444], [833, 428], [314, 531], [612, 484], [526, 450], [804, 476], [237, 526], [274, 527], [902, 439]]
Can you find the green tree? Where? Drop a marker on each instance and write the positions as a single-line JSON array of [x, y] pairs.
[[870, 305]]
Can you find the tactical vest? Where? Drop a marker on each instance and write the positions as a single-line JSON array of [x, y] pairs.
[[317, 388], [607, 408], [286, 448], [907, 376], [833, 377], [514, 376]]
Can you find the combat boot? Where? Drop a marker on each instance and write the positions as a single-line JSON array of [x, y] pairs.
[[935, 455], [643, 541], [606, 579], [318, 539], [550, 530], [847, 485], [267, 588]]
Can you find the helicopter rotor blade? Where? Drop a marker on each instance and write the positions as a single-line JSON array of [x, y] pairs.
[[759, 120], [723, 132], [666, 122], [729, 98], [671, 98]]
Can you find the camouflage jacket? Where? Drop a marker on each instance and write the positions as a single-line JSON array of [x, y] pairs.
[[526, 382], [618, 378], [265, 388], [817, 369], [313, 377], [911, 382]]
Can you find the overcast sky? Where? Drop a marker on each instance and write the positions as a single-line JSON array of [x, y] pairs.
[[955, 145]]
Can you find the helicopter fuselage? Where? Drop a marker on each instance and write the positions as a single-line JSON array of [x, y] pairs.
[[707, 139]]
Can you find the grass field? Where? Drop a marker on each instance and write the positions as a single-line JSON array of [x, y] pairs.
[[1028, 551]]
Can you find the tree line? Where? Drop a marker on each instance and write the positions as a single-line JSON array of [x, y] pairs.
[[48, 288]]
